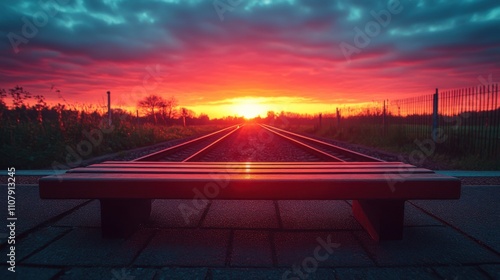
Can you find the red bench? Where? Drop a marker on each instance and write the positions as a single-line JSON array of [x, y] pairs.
[[378, 189]]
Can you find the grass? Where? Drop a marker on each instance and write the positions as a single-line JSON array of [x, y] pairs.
[[453, 153], [32, 145]]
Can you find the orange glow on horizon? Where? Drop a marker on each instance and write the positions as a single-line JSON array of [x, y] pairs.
[[249, 108]]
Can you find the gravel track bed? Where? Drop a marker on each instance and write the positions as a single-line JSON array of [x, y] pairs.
[[192, 148], [253, 143], [137, 153], [329, 150], [129, 155]]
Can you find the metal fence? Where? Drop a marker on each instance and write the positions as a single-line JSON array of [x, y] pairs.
[[411, 116], [461, 121]]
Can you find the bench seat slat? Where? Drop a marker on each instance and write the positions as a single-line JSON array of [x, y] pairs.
[[251, 186], [248, 170], [246, 163], [252, 166]]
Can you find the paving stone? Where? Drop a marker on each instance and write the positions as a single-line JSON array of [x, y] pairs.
[[445, 253], [415, 217], [34, 241], [493, 270], [117, 273], [460, 272], [186, 247], [395, 273], [181, 273], [271, 274], [427, 246], [166, 213], [241, 214], [28, 273], [32, 211], [86, 216], [317, 214], [477, 213], [299, 247], [251, 249], [87, 247]]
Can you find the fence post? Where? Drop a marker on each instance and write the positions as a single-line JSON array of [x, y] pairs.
[[109, 108], [384, 121], [435, 118], [338, 118]]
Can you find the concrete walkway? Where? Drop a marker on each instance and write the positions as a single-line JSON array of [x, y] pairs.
[[465, 173], [455, 173], [60, 239]]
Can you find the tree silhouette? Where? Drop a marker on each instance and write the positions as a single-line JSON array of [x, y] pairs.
[[169, 107], [152, 103], [3, 105]]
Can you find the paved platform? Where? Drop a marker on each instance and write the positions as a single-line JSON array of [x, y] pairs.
[[454, 173], [60, 239], [37, 172], [465, 173]]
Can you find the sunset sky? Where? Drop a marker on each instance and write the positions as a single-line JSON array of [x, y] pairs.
[[227, 57]]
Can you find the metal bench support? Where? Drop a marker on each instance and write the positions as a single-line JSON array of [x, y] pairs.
[[122, 217], [382, 219]]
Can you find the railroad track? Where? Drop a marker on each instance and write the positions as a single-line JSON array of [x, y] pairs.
[[256, 143], [193, 149], [323, 149]]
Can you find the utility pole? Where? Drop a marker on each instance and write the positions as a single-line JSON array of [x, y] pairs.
[[109, 108]]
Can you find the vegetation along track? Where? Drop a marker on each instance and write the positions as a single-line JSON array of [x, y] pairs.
[[255, 143]]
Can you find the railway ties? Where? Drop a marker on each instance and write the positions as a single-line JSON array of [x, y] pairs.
[[336, 152], [190, 150], [254, 143]]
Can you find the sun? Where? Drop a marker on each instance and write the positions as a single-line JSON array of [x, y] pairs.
[[248, 110]]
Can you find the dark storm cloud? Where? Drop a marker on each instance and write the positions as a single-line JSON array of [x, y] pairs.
[[301, 35]]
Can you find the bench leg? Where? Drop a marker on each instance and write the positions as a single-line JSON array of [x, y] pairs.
[[122, 217], [382, 219]]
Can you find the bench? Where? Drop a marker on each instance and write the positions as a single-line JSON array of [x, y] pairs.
[[378, 190]]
